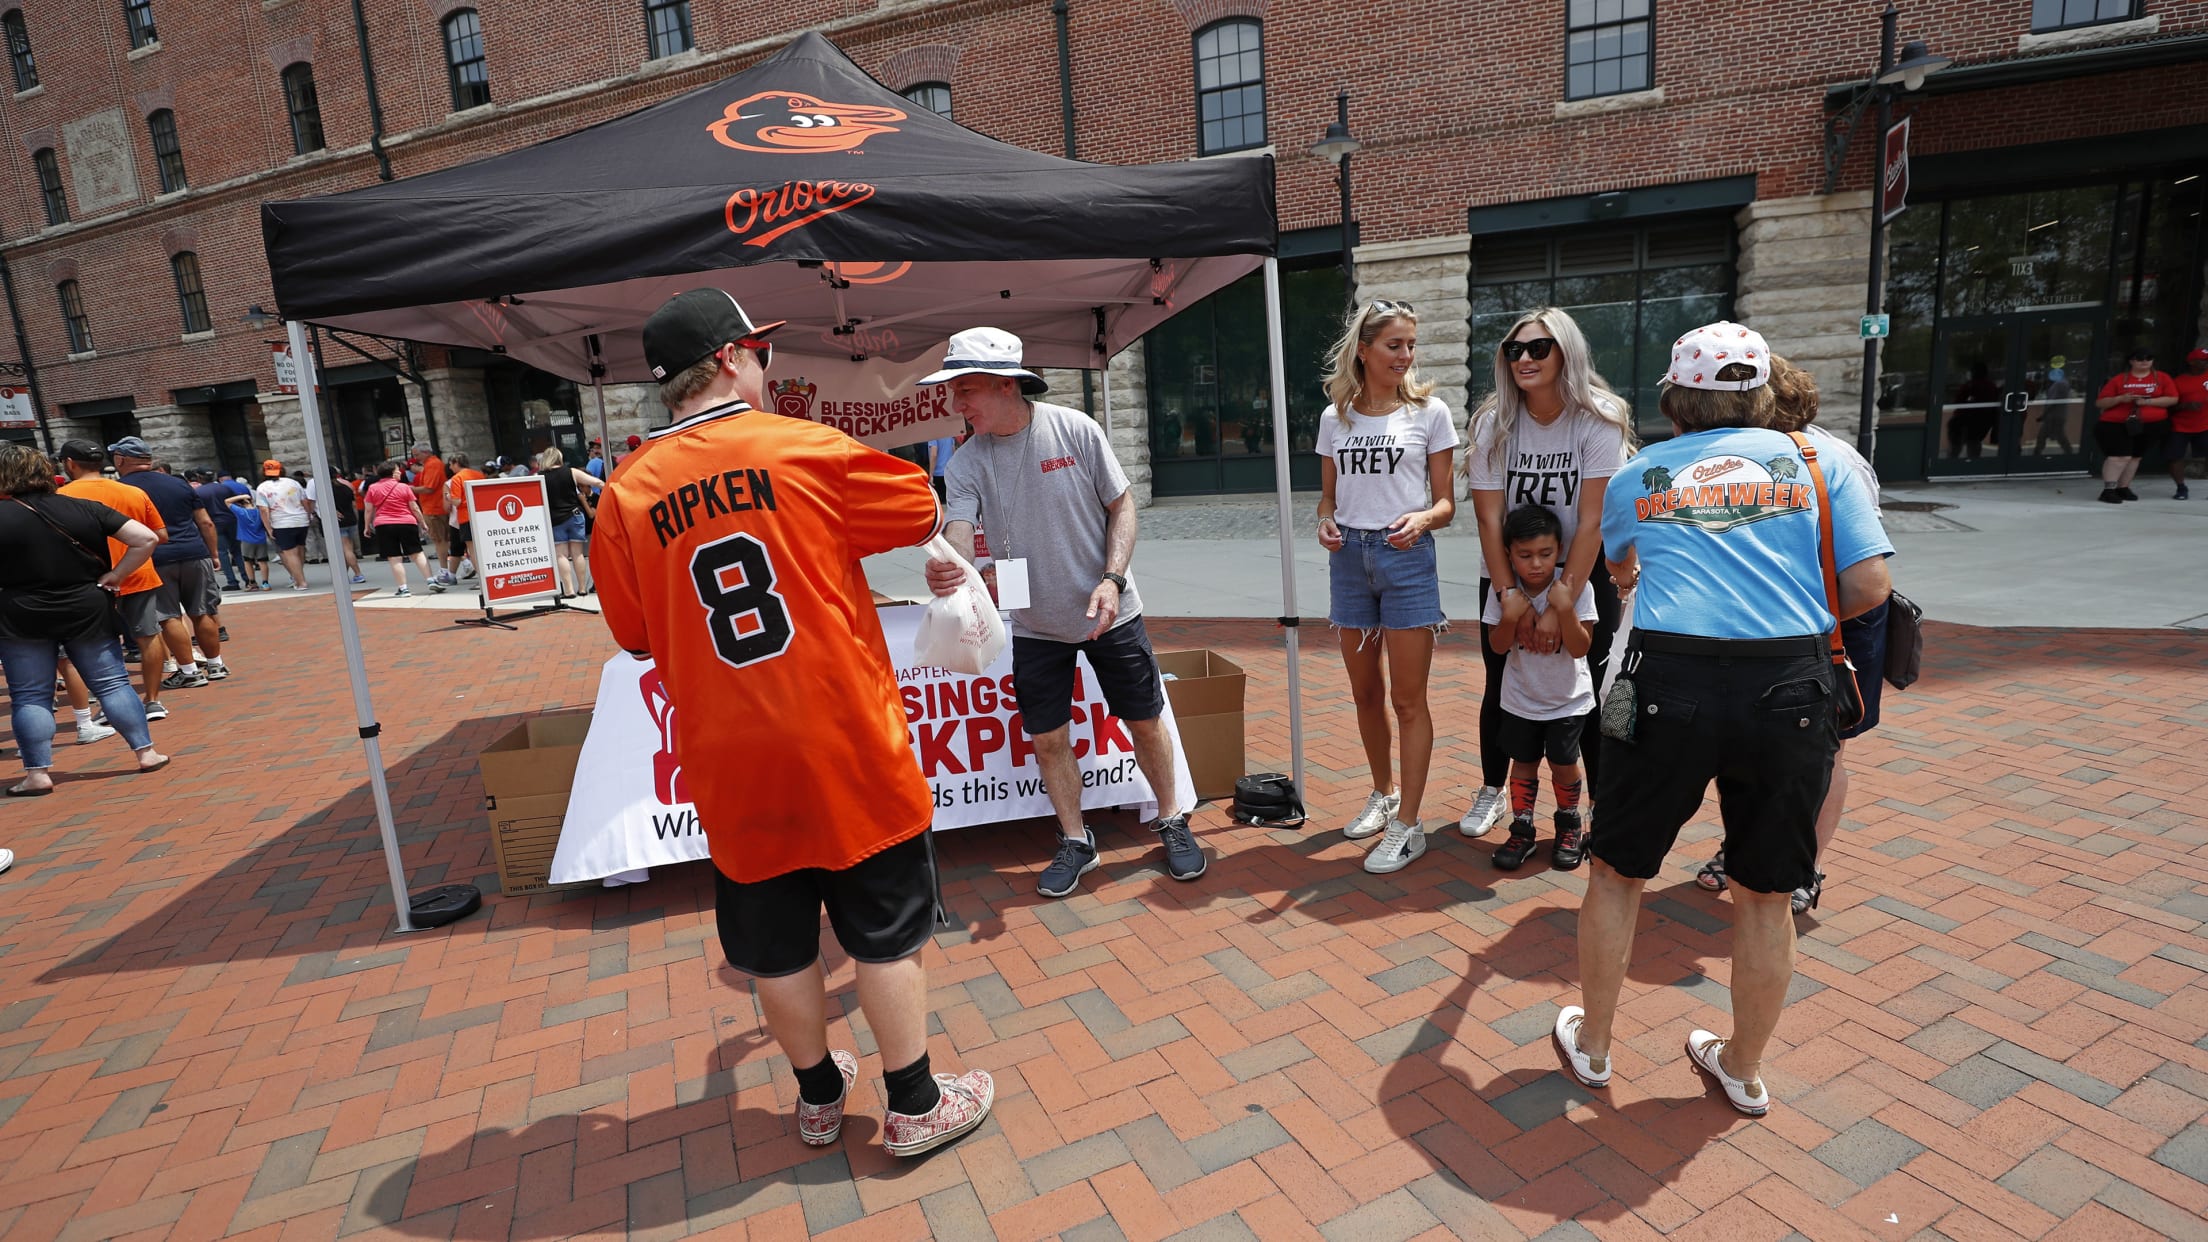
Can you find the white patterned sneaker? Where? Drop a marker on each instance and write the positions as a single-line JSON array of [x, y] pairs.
[[88, 733], [819, 1124], [1397, 850], [1379, 808], [966, 1101], [1487, 811]]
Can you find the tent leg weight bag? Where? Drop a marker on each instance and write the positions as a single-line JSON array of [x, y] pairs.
[[1267, 798]]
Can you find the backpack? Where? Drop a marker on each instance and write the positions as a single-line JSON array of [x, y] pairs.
[[1267, 798]]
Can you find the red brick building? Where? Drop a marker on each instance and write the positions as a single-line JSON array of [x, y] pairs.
[[1648, 163]]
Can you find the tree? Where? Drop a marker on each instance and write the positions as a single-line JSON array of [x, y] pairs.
[[1782, 468], [1656, 479]]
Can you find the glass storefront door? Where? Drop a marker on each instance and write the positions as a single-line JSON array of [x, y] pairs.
[[2009, 393]]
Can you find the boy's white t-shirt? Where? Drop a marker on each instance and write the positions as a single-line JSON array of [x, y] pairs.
[[1380, 461], [1545, 687]]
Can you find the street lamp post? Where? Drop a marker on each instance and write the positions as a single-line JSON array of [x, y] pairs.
[[1336, 145], [1908, 73]]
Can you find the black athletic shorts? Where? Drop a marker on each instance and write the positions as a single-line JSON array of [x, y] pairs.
[[1531, 741], [288, 538], [398, 540], [456, 539], [2116, 439], [882, 909], [1126, 671], [1760, 725]]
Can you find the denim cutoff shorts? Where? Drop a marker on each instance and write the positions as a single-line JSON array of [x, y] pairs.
[[1376, 585]]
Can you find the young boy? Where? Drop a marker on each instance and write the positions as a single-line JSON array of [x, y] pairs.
[[252, 542], [1546, 698]]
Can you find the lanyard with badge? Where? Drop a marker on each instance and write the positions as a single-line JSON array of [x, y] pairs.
[[1012, 583]]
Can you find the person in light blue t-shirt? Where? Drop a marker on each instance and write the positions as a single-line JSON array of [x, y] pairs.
[[1727, 678]]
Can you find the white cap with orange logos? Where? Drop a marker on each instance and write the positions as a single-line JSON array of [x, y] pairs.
[[1697, 357]]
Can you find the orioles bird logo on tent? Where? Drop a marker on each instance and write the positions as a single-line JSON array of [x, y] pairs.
[[791, 122]]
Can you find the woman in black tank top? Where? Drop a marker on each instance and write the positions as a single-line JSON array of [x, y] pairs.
[[567, 493]]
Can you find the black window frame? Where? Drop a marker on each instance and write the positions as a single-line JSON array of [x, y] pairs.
[[138, 19], [1196, 51], [304, 107], [168, 163], [20, 59], [50, 188], [654, 10], [1595, 28], [191, 292], [917, 91], [468, 90], [2131, 14], [74, 321]]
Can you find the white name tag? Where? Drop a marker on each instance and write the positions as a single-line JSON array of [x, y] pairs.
[[1012, 584]]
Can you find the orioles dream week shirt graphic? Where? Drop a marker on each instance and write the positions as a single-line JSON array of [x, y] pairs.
[[1725, 523], [728, 548]]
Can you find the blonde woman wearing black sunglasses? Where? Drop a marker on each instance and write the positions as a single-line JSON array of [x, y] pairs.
[[1386, 449], [1551, 434]]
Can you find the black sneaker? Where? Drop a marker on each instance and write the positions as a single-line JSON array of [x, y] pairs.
[[2111, 496], [2125, 493], [1076, 858], [1512, 854], [1184, 859], [1571, 842]]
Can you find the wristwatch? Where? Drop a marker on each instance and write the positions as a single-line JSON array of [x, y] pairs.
[[1116, 581]]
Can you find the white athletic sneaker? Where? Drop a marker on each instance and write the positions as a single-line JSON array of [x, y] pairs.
[[88, 733], [1487, 811], [1378, 808], [1397, 850]]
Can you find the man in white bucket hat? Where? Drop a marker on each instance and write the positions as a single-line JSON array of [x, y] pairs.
[[1041, 479]]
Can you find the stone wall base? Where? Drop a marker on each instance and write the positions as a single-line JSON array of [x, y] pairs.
[[1803, 262]]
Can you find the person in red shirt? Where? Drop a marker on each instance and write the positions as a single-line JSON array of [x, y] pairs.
[[2189, 420], [2135, 414], [727, 551]]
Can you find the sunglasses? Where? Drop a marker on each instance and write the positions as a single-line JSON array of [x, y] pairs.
[[765, 350], [1381, 306], [1537, 349]]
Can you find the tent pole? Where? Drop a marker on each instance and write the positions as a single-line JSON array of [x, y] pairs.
[[1289, 621], [598, 388], [1107, 370], [437, 906]]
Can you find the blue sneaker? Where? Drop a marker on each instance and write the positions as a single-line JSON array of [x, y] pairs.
[[1076, 858]]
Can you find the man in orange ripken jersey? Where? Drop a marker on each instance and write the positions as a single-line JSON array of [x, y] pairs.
[[727, 550]]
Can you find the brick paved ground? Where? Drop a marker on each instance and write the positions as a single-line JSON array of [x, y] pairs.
[[207, 1029]]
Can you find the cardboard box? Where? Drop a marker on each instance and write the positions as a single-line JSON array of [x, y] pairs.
[[1206, 692], [526, 778]]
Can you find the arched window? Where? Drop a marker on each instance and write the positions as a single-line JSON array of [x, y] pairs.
[[138, 16], [72, 317], [167, 155], [19, 49], [305, 108], [667, 22], [191, 298], [1230, 86], [934, 96], [49, 185], [471, 82]]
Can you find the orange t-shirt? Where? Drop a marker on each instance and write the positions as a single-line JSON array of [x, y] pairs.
[[431, 476], [728, 548], [132, 504], [456, 492]]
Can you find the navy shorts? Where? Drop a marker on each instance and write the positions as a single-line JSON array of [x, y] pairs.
[[1865, 639], [882, 908], [2184, 444], [288, 538], [1126, 671], [1374, 585]]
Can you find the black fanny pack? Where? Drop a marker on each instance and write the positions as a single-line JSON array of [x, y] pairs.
[[1267, 798]]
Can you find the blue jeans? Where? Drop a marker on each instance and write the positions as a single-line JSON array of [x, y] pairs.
[[1374, 585], [232, 555], [31, 665]]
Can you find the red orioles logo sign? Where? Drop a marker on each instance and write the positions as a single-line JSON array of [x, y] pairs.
[[667, 777], [786, 122], [509, 507]]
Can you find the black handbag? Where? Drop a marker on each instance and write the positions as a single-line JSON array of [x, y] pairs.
[[1904, 641], [1267, 798], [1847, 703]]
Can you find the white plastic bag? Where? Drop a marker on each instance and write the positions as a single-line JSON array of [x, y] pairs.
[[961, 631]]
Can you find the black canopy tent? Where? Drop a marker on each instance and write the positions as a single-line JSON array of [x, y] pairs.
[[812, 193]]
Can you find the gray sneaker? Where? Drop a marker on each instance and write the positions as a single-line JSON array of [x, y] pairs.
[[1378, 809], [1397, 850], [1184, 859], [1076, 858], [1487, 811]]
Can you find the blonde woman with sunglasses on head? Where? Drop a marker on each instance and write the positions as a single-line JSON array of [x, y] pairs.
[[1386, 449], [1551, 434]]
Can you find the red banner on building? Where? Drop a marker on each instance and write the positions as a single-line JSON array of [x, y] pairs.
[[1893, 176]]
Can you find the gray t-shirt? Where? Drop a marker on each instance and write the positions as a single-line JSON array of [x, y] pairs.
[[1039, 496]]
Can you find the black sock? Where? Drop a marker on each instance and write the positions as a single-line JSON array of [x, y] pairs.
[[822, 1084], [912, 1090]]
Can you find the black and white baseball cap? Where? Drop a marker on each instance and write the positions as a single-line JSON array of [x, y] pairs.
[[692, 325]]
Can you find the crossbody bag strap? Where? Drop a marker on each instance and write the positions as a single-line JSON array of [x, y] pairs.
[[1824, 534], [64, 532]]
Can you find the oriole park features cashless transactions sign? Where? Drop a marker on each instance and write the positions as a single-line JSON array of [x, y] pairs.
[[511, 522]]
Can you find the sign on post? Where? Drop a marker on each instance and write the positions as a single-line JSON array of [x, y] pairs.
[[1873, 326], [512, 526], [15, 407], [1893, 175]]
